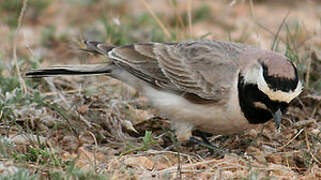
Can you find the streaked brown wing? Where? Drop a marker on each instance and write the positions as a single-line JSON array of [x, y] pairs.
[[203, 68], [141, 61], [199, 67]]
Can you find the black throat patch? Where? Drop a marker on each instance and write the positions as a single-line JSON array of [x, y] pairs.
[[249, 94]]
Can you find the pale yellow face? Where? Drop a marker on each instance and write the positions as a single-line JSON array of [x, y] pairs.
[[255, 76], [277, 95]]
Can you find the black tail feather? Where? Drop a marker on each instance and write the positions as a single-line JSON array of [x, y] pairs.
[[61, 72], [84, 69]]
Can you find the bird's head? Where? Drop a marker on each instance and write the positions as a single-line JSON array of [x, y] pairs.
[[277, 82]]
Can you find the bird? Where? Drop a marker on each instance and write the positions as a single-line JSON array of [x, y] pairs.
[[212, 86]]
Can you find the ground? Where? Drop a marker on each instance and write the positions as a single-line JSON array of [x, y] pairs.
[[99, 128]]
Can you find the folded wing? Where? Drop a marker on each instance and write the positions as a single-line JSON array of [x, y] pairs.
[[202, 68]]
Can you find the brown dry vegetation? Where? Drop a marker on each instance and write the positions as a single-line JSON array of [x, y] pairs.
[[99, 128]]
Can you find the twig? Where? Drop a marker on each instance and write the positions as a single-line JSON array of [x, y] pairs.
[[189, 166], [307, 140], [155, 152], [309, 148], [52, 93], [305, 122], [162, 26], [189, 14], [179, 20], [179, 166], [95, 149], [14, 51], [251, 8], [276, 37], [227, 165], [291, 139], [307, 77]]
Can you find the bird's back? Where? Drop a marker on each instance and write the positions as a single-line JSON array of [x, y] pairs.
[[201, 68]]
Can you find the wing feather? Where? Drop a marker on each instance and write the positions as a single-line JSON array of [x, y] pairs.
[[204, 68], [199, 68]]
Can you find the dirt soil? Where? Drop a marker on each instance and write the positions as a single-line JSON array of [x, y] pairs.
[[100, 125]]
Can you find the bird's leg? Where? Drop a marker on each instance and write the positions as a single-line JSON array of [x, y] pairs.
[[206, 143], [183, 132], [203, 136]]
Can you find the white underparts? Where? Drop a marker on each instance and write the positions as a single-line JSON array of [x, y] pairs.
[[214, 118]]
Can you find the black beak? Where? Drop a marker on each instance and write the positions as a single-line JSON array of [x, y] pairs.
[[277, 118]]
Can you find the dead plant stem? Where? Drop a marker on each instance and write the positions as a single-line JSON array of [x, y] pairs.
[[15, 38]]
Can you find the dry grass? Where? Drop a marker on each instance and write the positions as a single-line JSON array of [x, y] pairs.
[[98, 128]]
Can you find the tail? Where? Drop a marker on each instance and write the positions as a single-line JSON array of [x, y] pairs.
[[82, 69]]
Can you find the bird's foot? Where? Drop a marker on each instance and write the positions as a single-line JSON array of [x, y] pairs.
[[220, 152]]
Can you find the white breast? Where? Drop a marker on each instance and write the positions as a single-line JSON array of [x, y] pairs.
[[225, 118]]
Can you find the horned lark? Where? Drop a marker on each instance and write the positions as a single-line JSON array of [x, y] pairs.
[[207, 85]]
